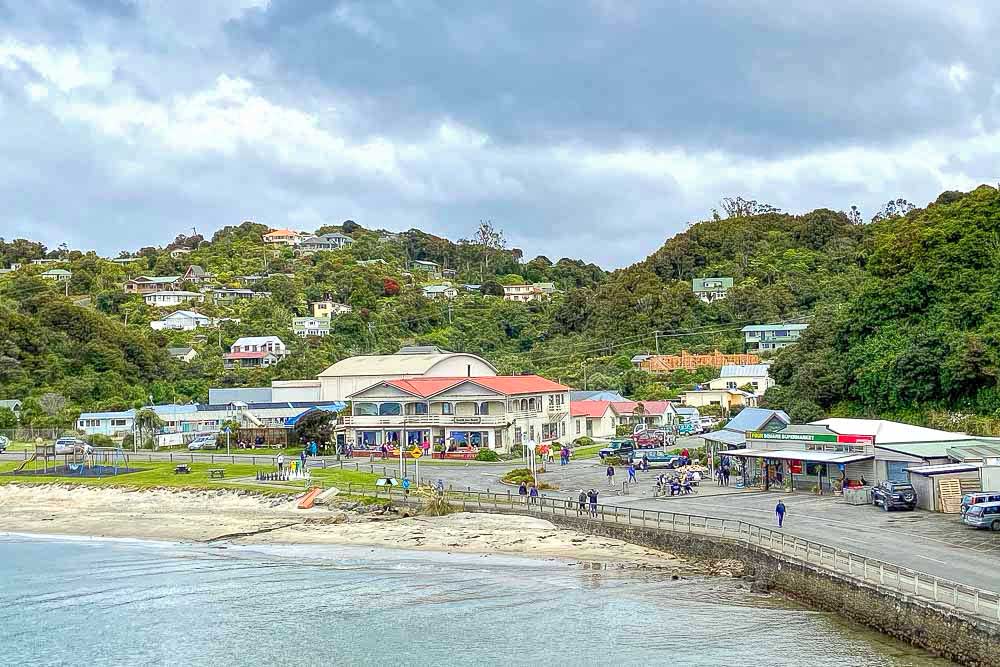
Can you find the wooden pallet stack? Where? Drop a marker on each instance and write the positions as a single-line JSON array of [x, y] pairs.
[[949, 496]]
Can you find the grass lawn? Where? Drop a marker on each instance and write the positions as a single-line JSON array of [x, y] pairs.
[[587, 452], [161, 474]]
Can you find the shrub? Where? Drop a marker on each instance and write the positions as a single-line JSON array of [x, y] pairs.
[[438, 505], [99, 440], [487, 455], [622, 430], [517, 451], [614, 460], [583, 441], [518, 475]]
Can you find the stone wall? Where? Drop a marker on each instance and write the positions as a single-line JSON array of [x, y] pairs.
[[934, 627]]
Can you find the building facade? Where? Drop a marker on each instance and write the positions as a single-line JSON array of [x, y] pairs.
[[593, 419], [150, 284], [754, 378], [168, 298], [255, 351], [711, 289], [524, 293], [182, 320], [771, 337], [329, 309], [333, 241], [286, 237], [311, 326], [494, 412]]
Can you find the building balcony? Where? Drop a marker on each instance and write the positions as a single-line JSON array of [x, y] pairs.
[[400, 421]]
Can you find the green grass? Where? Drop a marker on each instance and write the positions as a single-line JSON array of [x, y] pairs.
[[161, 474], [586, 452]]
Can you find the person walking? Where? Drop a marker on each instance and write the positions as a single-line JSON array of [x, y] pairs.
[[522, 491], [725, 474], [779, 511], [611, 475], [533, 495], [631, 473], [582, 498], [280, 460], [302, 459], [592, 496]]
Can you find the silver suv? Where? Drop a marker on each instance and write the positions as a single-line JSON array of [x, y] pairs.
[[202, 442], [983, 515]]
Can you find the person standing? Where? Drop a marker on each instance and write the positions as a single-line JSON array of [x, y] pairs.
[[779, 511], [440, 486], [302, 459], [631, 473], [522, 491], [582, 498], [281, 461], [611, 475], [533, 495], [593, 502]]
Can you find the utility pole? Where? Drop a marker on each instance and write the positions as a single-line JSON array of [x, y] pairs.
[[449, 313], [585, 375], [371, 332], [656, 335]]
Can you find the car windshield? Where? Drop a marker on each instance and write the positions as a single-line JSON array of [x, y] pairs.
[[976, 510]]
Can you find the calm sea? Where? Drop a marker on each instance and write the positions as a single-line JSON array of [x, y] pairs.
[[109, 602]]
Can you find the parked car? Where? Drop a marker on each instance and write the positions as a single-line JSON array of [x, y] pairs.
[[656, 457], [202, 442], [983, 515], [4, 441], [69, 445], [618, 447], [894, 495], [708, 423], [970, 499]]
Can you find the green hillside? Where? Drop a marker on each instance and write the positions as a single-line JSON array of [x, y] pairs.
[[901, 311]]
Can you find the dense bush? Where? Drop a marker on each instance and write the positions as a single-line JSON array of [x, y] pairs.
[[98, 440], [487, 455], [583, 441]]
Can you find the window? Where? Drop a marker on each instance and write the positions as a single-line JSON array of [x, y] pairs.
[[390, 409], [484, 408], [562, 428], [550, 431], [365, 409], [552, 401], [118, 422], [578, 427], [531, 404], [730, 385], [420, 408], [447, 408], [517, 436]]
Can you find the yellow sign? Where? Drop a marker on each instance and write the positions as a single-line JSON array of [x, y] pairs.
[[416, 453]]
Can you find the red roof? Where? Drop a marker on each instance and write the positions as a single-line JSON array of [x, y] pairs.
[[588, 408], [504, 384], [246, 355], [650, 407], [281, 232]]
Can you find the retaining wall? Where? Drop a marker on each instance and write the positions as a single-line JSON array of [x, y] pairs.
[[937, 628]]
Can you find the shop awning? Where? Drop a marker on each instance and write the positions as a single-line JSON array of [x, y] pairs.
[[730, 438], [795, 455]]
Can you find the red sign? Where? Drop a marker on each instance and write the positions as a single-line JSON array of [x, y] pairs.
[[856, 439], [795, 467]]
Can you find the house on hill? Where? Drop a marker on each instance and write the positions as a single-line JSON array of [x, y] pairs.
[[770, 337], [151, 284], [311, 326], [286, 237], [168, 298], [329, 309], [740, 376], [182, 320], [333, 241], [184, 354], [59, 275], [13, 405], [432, 269], [440, 292], [711, 289], [255, 351]]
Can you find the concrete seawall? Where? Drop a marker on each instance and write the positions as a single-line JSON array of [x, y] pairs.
[[935, 627]]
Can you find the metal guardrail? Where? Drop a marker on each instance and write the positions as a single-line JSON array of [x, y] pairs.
[[903, 580]]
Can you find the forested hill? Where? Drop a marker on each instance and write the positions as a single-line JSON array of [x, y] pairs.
[[922, 333], [868, 290]]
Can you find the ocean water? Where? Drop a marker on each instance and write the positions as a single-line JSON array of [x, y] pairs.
[[68, 601]]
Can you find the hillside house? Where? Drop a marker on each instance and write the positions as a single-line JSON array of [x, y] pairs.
[[533, 292], [196, 274], [182, 354], [771, 337], [311, 326], [59, 275], [725, 399], [177, 253], [711, 289], [225, 296], [255, 351], [151, 284], [593, 419], [742, 376], [329, 309], [432, 269], [182, 320], [168, 298], [440, 292], [333, 241], [286, 237], [13, 405]]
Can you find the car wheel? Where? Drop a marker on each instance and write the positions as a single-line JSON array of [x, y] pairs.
[[995, 525], [885, 506]]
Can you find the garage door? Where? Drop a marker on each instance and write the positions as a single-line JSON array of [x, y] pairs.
[[896, 470]]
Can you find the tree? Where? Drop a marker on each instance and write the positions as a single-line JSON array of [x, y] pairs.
[[854, 215], [146, 422], [491, 240], [349, 227], [317, 425], [390, 287], [738, 207], [7, 418], [52, 403], [491, 288], [894, 208]]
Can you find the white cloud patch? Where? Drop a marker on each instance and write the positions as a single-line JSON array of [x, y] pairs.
[[67, 70]]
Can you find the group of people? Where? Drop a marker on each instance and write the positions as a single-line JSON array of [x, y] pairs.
[[256, 443], [530, 494], [587, 498], [675, 485], [722, 472], [564, 455]]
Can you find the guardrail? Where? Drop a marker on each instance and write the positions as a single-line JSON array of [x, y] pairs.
[[927, 587]]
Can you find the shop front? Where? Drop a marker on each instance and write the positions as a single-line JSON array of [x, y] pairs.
[[825, 472]]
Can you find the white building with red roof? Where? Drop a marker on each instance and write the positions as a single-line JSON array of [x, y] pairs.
[[650, 414], [458, 415], [287, 237], [593, 419], [255, 351]]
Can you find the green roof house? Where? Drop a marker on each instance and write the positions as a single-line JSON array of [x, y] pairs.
[[710, 289]]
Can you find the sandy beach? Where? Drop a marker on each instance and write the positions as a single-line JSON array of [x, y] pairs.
[[205, 516]]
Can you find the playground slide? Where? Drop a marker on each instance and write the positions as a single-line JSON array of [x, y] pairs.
[[309, 499], [252, 418], [25, 462], [327, 495]]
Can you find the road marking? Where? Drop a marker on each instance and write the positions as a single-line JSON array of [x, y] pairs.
[[931, 559]]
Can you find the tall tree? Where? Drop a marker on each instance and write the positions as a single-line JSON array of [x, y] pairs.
[[491, 240]]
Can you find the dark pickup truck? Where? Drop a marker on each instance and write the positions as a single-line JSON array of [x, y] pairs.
[[622, 448]]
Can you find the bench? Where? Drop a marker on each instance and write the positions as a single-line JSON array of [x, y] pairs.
[[182, 469], [315, 463], [216, 472]]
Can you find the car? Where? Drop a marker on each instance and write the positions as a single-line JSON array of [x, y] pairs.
[[894, 495], [69, 445], [656, 457], [970, 499], [983, 515], [202, 442], [618, 447], [707, 423], [4, 442]]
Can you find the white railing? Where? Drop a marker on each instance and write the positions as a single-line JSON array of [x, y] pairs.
[[401, 421]]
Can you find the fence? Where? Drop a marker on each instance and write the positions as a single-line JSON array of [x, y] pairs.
[[29, 433], [862, 569]]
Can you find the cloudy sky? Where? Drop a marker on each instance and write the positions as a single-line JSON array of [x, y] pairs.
[[589, 129]]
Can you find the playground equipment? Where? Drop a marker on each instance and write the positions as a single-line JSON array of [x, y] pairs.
[[84, 462], [45, 452]]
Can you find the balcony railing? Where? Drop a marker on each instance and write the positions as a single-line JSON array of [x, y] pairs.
[[397, 421]]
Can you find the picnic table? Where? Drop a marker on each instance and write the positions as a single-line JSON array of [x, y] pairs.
[[182, 469], [216, 472]]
